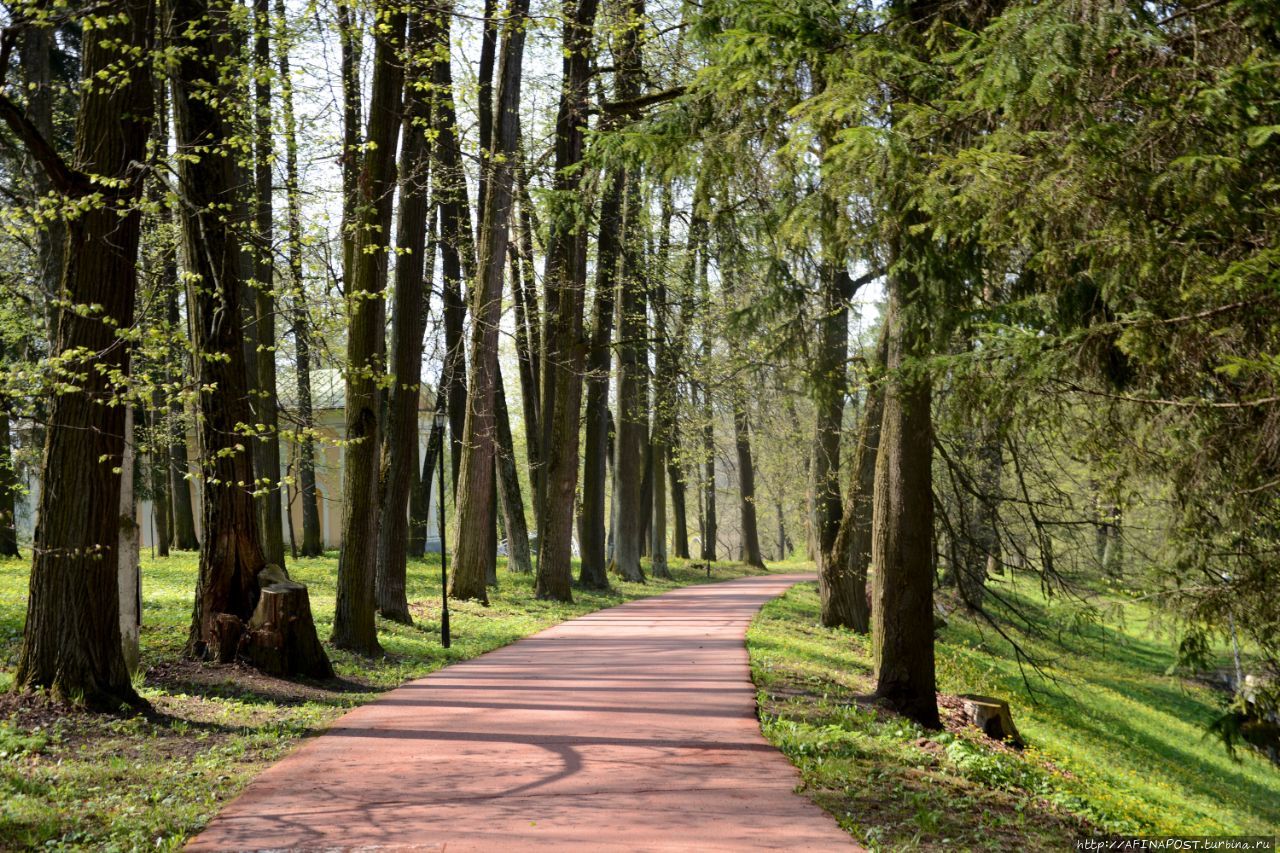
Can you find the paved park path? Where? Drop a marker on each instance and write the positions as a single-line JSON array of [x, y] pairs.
[[632, 728]]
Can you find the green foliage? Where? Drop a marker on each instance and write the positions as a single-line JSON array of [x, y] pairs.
[[1115, 745]]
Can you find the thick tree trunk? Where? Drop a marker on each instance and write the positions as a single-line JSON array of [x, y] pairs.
[[71, 640], [633, 402], [592, 573], [632, 426], [842, 580], [476, 501], [232, 554], [354, 627], [563, 353], [312, 544], [268, 403], [902, 529], [746, 487], [401, 442]]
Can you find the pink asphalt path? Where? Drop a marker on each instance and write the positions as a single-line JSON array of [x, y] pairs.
[[632, 728]]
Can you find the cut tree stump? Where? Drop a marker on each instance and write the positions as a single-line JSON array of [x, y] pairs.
[[228, 630], [282, 635], [993, 717]]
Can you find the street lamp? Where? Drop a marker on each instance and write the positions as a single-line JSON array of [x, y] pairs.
[[440, 419]]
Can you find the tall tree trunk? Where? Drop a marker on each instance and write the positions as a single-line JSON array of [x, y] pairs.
[[842, 580], [8, 490], [592, 573], [184, 519], [35, 61], [746, 486], [901, 538], [71, 640], [528, 326], [127, 567], [679, 511], [474, 554], [232, 554], [829, 384], [710, 526], [512, 502], [663, 394], [312, 543], [158, 471], [264, 286], [633, 421], [354, 627], [563, 353], [401, 442], [420, 506], [456, 255], [349, 38]]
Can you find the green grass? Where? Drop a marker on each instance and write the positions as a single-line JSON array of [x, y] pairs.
[[75, 780], [1115, 744]]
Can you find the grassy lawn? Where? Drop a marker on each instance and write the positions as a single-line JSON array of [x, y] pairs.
[[117, 783], [1114, 744]]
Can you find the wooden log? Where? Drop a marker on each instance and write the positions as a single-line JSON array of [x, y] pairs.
[[993, 717], [282, 635]]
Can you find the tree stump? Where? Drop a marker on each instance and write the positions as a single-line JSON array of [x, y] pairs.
[[282, 635], [227, 632], [993, 717]]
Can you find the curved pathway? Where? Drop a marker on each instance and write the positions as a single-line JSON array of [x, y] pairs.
[[632, 728]]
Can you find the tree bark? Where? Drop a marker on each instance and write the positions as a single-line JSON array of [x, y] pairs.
[[663, 395], [902, 526], [71, 640], [268, 402], [8, 490], [232, 554], [349, 39], [842, 581], [127, 556], [354, 626], [592, 572], [709, 526], [746, 487], [476, 504], [512, 502], [829, 383], [456, 248], [312, 543], [563, 352], [401, 442]]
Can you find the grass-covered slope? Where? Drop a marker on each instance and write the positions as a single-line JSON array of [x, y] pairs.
[[104, 783], [1115, 744]]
